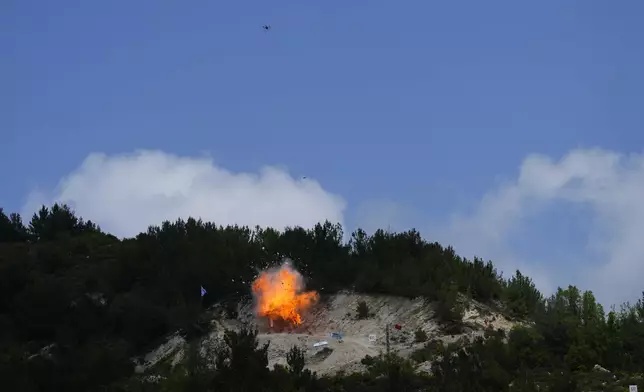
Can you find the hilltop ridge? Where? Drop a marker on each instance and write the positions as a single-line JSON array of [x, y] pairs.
[[77, 304]]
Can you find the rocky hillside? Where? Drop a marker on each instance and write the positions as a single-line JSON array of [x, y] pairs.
[[339, 314]]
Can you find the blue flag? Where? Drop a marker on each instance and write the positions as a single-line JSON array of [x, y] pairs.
[[203, 291]]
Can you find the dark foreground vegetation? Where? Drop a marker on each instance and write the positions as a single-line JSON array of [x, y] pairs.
[[76, 304]]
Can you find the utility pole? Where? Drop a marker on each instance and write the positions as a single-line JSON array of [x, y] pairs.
[[388, 358], [387, 339]]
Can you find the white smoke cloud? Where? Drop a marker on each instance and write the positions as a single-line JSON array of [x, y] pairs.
[[127, 193], [611, 188]]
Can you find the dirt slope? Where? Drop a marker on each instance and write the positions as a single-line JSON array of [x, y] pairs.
[[338, 314]]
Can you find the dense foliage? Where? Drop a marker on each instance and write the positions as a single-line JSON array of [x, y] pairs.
[[76, 304]]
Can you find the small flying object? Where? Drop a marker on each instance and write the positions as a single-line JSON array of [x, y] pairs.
[[266, 27]]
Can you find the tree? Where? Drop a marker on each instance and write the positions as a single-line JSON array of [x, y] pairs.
[[521, 295], [12, 228], [242, 364], [295, 360], [448, 309], [76, 304], [363, 310], [420, 336]]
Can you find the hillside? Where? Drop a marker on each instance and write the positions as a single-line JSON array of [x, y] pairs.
[[337, 314], [77, 305]]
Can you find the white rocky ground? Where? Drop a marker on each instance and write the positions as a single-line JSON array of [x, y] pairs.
[[338, 314]]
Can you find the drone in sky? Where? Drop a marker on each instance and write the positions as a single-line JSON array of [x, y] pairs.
[[266, 27]]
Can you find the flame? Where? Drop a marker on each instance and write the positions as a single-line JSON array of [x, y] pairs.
[[280, 294]]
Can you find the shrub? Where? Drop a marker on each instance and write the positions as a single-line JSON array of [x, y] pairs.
[[420, 336], [363, 310]]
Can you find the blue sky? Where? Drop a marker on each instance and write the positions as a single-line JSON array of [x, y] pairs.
[[413, 113]]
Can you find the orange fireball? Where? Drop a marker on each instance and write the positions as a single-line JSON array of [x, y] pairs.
[[280, 295]]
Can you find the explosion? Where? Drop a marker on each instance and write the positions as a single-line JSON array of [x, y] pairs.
[[279, 294]]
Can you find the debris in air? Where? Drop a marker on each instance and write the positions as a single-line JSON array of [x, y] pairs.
[[280, 295]]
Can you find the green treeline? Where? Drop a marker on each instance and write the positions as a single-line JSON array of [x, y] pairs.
[[77, 303]]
